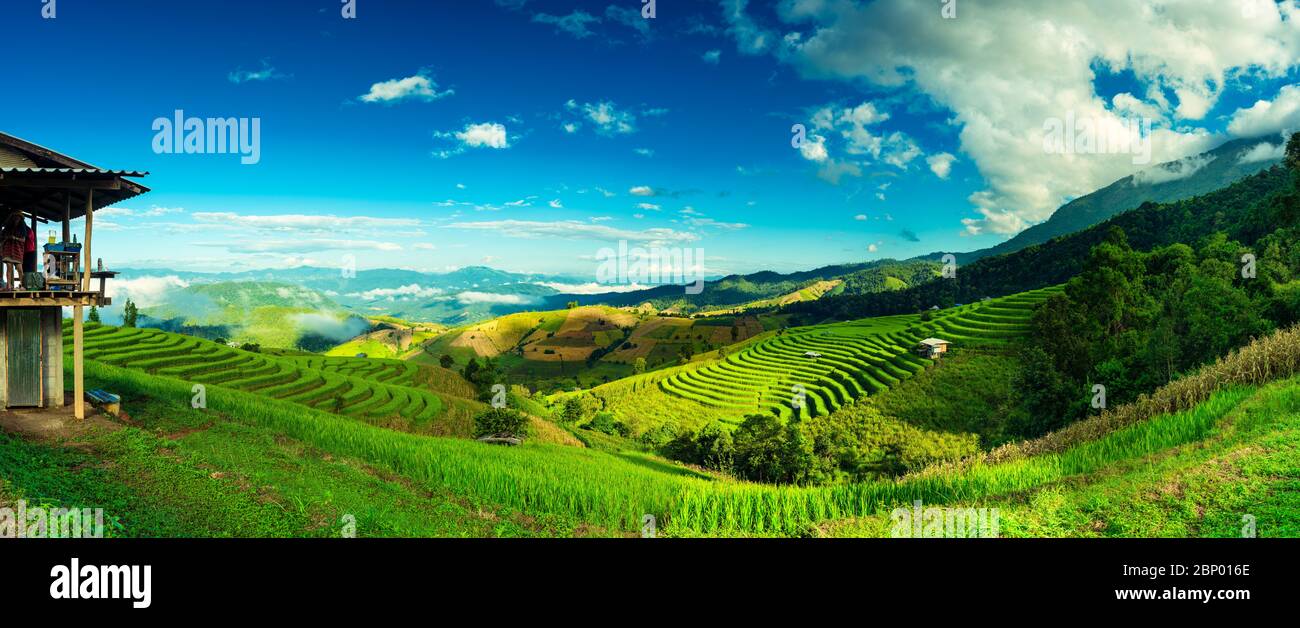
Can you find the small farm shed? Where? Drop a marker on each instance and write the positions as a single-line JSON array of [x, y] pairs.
[[44, 187], [932, 348]]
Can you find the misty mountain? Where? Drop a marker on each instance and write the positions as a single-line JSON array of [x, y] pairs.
[[1163, 183]]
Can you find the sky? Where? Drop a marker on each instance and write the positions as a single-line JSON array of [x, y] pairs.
[[528, 135]]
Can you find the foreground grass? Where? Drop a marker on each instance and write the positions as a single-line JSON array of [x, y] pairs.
[[1248, 464], [180, 472], [612, 493]]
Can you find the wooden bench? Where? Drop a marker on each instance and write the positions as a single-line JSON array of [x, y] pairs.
[[112, 403]]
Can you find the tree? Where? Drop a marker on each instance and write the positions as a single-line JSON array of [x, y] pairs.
[[571, 304], [1293, 153], [446, 361], [572, 410], [129, 314], [502, 422], [638, 365], [94, 314]]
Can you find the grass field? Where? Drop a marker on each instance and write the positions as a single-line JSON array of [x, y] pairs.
[[383, 392], [828, 365], [594, 490]]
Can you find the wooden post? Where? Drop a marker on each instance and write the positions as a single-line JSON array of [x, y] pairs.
[[78, 381], [85, 246], [78, 374]]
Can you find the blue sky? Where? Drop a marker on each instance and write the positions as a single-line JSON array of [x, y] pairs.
[[527, 134]]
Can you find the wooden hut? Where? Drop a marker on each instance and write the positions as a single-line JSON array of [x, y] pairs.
[[932, 348], [46, 188]]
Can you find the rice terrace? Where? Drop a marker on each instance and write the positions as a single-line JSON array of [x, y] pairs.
[[904, 281]]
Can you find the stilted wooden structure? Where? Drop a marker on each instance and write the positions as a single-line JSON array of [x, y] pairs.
[[49, 187]]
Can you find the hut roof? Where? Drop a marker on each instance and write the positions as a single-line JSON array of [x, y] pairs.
[[38, 180]]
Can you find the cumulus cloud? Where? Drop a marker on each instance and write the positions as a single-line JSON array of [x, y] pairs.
[[1172, 171], [418, 87], [604, 116], [1003, 70], [144, 291], [1263, 151], [481, 135], [941, 164], [1267, 117], [486, 134]]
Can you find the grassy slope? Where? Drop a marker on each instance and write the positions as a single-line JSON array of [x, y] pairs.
[[236, 469], [859, 359], [1249, 463]]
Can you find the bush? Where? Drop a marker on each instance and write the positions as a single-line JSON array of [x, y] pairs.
[[446, 361], [501, 421], [606, 423]]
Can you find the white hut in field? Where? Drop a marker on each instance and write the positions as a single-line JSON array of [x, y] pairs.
[[932, 348]]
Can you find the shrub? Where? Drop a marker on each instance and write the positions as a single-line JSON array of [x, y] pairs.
[[500, 421]]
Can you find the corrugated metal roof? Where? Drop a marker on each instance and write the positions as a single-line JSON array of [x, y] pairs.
[[11, 157], [118, 173], [934, 342]]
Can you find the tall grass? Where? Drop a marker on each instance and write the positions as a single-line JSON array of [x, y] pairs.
[[1273, 357]]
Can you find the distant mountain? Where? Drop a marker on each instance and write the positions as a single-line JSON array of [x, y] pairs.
[[463, 295], [876, 276], [1163, 183], [266, 313], [1244, 211]]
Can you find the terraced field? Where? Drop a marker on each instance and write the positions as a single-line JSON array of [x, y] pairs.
[[830, 365], [382, 392]]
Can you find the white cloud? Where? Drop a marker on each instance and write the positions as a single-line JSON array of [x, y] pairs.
[[418, 87], [712, 57], [941, 164], [642, 190], [403, 293], [591, 287], [302, 245], [860, 217], [644, 152], [575, 230], [144, 291], [1004, 69], [649, 206], [605, 116], [486, 134], [1173, 171], [555, 204], [1265, 117], [1263, 151], [471, 297], [302, 222]]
